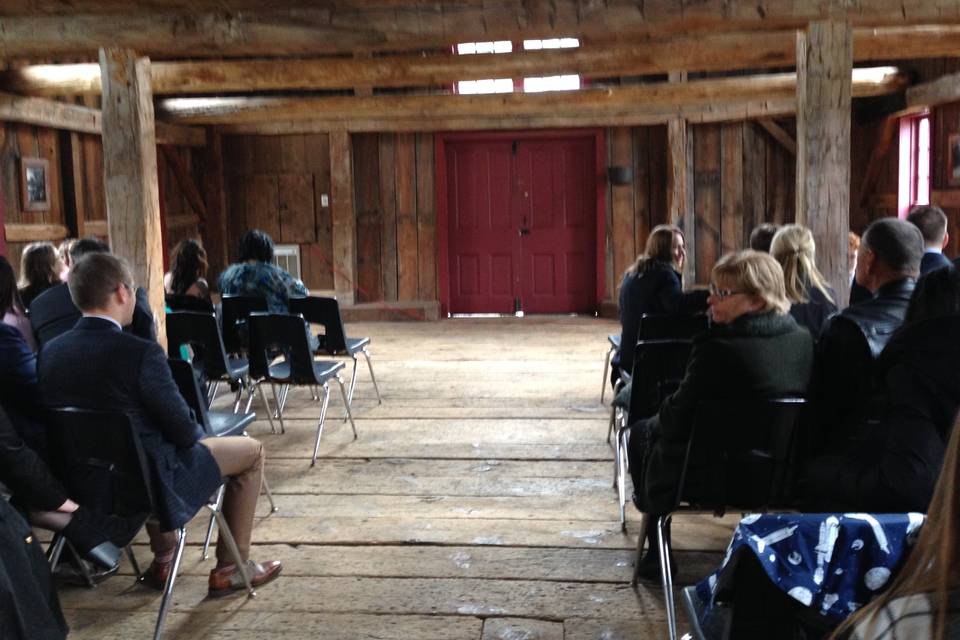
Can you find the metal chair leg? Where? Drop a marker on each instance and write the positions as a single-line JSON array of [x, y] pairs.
[[613, 419], [263, 397], [366, 354], [206, 542], [353, 379], [54, 551], [168, 587], [213, 393], [284, 393], [232, 547], [266, 490], [81, 566], [614, 424], [641, 539], [606, 369], [239, 398], [323, 415], [346, 404], [278, 415], [622, 477], [133, 561], [666, 575]]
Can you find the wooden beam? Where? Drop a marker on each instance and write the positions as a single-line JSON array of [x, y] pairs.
[[388, 26], [180, 136], [778, 134], [130, 173], [824, 58], [680, 202], [654, 102], [344, 218], [98, 228], [16, 232], [184, 181], [936, 92], [877, 157]]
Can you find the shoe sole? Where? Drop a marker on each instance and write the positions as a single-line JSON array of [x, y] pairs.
[[222, 593]]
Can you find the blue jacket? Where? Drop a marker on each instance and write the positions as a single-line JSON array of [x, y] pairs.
[[97, 366]]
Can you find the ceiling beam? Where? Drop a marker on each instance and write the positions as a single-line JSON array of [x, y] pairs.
[[930, 94], [355, 25], [700, 101], [42, 112]]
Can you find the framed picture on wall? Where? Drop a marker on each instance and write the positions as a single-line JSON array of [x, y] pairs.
[[34, 191], [953, 174]]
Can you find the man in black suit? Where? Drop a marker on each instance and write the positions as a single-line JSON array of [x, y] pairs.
[[932, 222], [53, 312], [888, 263], [98, 366]]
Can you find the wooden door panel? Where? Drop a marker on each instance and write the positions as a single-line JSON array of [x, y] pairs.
[[261, 199], [297, 220]]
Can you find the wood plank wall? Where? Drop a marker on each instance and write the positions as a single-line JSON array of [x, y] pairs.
[[278, 184], [742, 177]]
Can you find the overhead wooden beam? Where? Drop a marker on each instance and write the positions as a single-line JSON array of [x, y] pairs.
[[180, 136], [355, 25], [777, 133], [130, 173], [824, 59], [17, 232], [930, 94], [717, 52], [656, 102]]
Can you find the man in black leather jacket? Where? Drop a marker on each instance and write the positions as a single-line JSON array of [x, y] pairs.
[[888, 263]]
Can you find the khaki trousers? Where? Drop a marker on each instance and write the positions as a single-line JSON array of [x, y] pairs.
[[241, 462]]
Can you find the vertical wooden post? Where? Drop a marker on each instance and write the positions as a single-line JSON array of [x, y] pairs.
[[680, 189], [824, 63], [130, 172], [344, 220], [214, 195]]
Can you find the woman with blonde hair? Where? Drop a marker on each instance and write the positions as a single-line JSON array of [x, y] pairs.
[[653, 284], [812, 300], [40, 269], [753, 349]]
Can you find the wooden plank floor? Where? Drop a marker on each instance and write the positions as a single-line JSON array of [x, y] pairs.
[[476, 504]]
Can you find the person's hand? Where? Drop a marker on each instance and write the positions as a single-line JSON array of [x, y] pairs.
[[69, 506]]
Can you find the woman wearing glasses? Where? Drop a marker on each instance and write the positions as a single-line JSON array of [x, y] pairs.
[[754, 349]]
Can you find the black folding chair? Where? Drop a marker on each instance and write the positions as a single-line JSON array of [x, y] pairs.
[[751, 468], [287, 334], [234, 310], [182, 302], [215, 423], [101, 462], [334, 340]]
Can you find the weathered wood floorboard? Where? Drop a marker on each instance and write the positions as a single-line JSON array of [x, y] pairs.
[[475, 504]]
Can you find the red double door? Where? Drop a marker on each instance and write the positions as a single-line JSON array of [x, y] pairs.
[[522, 225]]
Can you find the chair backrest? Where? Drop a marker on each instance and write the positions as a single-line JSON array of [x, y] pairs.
[[658, 367], [285, 334], [657, 326], [99, 459], [186, 378], [325, 312], [234, 310], [744, 455], [201, 333], [182, 302]]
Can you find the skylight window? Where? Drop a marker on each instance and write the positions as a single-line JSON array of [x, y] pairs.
[[567, 82]]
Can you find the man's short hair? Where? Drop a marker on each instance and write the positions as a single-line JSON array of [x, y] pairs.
[[95, 277], [896, 243], [762, 236], [932, 222], [84, 246]]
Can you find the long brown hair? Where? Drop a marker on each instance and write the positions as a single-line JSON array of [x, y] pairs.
[[39, 264], [659, 248], [932, 567]]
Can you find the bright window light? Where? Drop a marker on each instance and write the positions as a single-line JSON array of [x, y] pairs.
[[923, 162], [491, 85], [551, 83], [551, 43], [499, 46]]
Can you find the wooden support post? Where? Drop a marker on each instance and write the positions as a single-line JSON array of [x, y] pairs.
[[680, 189], [344, 220], [214, 226], [130, 172], [824, 61]]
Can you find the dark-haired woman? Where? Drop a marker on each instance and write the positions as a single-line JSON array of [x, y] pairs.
[[40, 269], [653, 285], [188, 271], [12, 310], [256, 275]]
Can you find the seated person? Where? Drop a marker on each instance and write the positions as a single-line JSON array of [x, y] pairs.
[[19, 393], [924, 599], [12, 310], [932, 222], [754, 349], [811, 299], [762, 236], [894, 466], [53, 312], [653, 285], [256, 275], [188, 271], [98, 366], [842, 388], [40, 269]]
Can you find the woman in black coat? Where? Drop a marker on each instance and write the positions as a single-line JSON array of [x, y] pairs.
[[753, 350], [894, 464], [653, 285]]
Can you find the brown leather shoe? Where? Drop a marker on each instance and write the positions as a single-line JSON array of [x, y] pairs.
[[156, 575], [226, 580]]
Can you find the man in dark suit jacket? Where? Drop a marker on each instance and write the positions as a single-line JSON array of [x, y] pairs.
[[53, 312], [932, 222], [97, 366], [888, 263]]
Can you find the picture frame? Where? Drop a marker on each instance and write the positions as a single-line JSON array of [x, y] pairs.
[[953, 154], [34, 184]]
